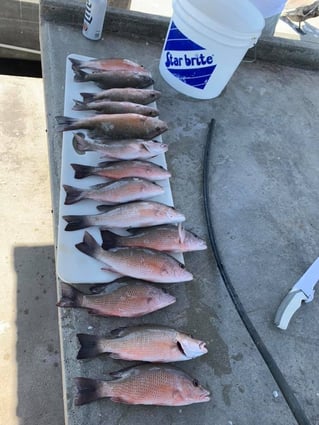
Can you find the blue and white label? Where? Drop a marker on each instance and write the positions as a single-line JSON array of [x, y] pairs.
[[187, 60]]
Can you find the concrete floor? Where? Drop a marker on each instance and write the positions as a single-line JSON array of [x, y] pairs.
[[264, 157], [30, 366]]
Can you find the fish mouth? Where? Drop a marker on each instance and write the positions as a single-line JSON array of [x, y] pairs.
[[205, 396], [203, 348], [170, 300]]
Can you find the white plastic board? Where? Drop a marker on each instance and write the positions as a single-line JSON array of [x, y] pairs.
[[72, 265]]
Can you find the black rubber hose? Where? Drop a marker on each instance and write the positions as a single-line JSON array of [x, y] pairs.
[[269, 360]]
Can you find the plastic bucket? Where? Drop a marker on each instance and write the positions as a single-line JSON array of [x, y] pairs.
[[206, 42]]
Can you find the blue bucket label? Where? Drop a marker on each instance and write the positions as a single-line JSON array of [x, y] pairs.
[[187, 60]]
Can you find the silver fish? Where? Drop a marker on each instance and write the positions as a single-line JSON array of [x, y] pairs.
[[111, 107], [120, 149], [127, 94], [167, 238], [133, 214], [117, 192]]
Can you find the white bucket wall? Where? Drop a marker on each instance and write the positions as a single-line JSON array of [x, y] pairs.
[[205, 42]]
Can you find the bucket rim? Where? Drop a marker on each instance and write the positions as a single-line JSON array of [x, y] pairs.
[[203, 20]]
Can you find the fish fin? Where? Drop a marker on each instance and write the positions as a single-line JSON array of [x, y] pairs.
[[65, 123], [88, 246], [90, 346], [79, 105], [119, 400], [73, 194], [93, 312], [79, 75], [119, 332], [145, 146], [180, 348], [71, 297], [80, 144], [99, 288], [76, 63], [88, 390], [103, 164], [181, 233], [76, 222], [99, 186], [87, 97], [103, 208], [109, 239], [82, 171], [116, 356], [109, 269]]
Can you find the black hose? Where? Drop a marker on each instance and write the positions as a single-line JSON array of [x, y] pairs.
[[269, 360]]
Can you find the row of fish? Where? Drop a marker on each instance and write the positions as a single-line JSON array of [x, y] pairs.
[[122, 129]]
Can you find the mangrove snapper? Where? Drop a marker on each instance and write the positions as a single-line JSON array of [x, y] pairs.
[[149, 384], [149, 343], [125, 299], [139, 263]]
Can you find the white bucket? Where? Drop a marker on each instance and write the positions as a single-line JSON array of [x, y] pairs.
[[206, 42]]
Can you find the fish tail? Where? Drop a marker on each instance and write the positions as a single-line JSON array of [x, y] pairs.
[[73, 194], [71, 297], [89, 246], [82, 171], [79, 105], [79, 75], [87, 97], [109, 239], [76, 222], [90, 346], [76, 63], [66, 123], [88, 390]]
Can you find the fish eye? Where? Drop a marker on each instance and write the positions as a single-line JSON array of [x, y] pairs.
[[158, 128], [195, 383], [182, 266]]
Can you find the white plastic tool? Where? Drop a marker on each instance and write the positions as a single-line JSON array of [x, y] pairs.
[[302, 291]]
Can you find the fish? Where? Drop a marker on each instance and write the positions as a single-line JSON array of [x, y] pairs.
[[122, 169], [115, 192], [126, 94], [148, 384], [125, 216], [129, 149], [112, 107], [112, 64], [167, 238], [115, 126], [115, 78], [126, 298], [139, 263], [148, 343]]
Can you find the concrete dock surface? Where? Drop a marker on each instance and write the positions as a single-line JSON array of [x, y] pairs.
[[264, 179]]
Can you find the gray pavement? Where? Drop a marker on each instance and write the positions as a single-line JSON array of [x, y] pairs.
[[30, 366]]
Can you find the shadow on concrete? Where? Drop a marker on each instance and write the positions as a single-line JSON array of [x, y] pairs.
[[39, 398]]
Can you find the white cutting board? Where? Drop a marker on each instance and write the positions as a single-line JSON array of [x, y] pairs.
[[72, 265]]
